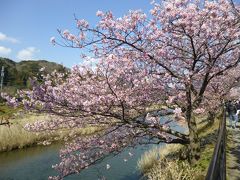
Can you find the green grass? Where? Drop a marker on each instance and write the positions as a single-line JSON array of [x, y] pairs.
[[163, 163], [208, 136], [6, 111]]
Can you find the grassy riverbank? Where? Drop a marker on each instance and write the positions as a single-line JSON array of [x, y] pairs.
[[163, 163], [15, 136]]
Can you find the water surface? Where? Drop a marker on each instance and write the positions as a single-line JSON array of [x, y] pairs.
[[35, 163]]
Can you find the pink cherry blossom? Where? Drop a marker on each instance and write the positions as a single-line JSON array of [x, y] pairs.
[[180, 56]]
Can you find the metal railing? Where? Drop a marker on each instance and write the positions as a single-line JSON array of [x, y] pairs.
[[217, 167]]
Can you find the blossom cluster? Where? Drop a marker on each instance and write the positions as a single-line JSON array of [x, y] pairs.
[[176, 57]]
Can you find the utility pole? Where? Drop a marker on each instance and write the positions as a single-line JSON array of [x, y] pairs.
[[2, 76]]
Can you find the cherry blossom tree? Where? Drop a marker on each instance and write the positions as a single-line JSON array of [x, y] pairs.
[[219, 91], [236, 9], [137, 63]]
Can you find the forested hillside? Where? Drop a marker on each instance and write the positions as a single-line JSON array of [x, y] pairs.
[[17, 74]]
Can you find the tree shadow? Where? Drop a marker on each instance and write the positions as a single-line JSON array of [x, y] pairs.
[[209, 139], [233, 153]]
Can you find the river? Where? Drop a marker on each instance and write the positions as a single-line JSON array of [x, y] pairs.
[[34, 163]]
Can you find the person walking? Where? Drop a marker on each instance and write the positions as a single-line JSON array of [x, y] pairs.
[[232, 110], [238, 111]]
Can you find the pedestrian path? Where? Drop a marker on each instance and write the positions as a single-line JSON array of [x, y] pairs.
[[233, 153]]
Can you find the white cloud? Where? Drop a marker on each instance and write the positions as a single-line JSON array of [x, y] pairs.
[[27, 53], [4, 37], [4, 51]]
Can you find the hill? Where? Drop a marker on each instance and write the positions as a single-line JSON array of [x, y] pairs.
[[17, 74]]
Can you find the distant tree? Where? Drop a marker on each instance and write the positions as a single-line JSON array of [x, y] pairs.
[[10, 77], [219, 91], [25, 81], [138, 63]]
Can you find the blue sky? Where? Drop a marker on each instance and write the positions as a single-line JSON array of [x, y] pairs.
[[27, 25]]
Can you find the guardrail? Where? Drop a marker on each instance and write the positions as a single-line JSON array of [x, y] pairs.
[[217, 167]]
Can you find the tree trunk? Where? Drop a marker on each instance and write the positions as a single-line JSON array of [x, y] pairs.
[[194, 146], [211, 117]]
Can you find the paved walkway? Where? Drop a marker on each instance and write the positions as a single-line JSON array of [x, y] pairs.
[[233, 153]]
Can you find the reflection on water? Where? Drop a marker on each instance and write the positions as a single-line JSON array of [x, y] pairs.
[[30, 163], [35, 163]]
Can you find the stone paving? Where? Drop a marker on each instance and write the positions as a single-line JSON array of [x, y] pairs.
[[233, 153]]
